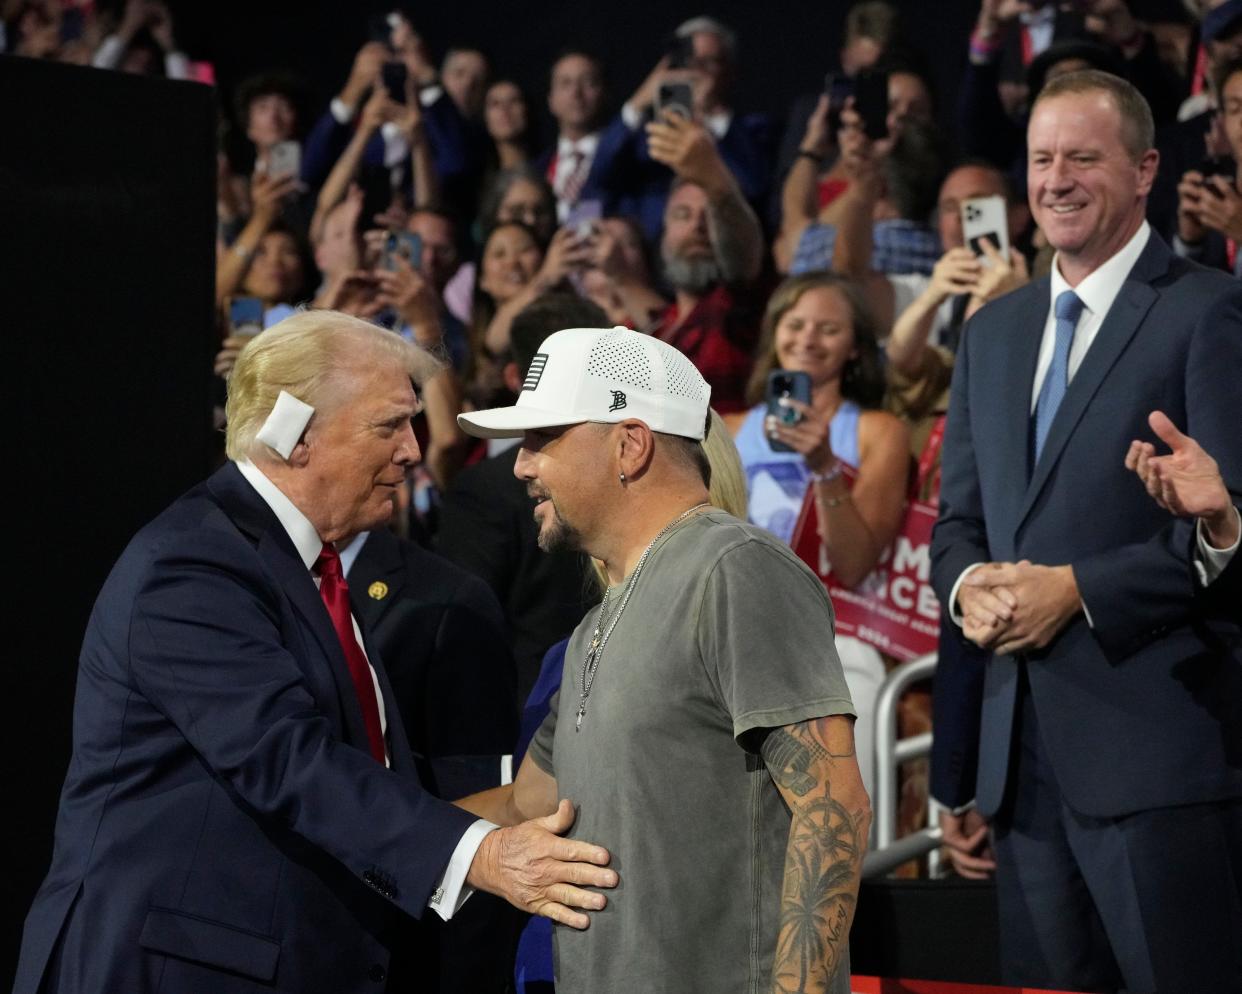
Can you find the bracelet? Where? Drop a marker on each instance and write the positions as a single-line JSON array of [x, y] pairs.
[[829, 475], [835, 501], [813, 156], [241, 251]]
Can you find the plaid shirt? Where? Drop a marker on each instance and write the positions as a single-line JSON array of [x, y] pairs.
[[899, 246], [719, 337]]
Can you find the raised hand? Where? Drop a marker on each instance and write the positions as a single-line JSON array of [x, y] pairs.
[[809, 435], [1186, 482], [688, 149], [1220, 207]]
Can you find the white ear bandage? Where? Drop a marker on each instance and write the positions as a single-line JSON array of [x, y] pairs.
[[284, 426]]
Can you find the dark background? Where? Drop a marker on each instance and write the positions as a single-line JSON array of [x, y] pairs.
[[785, 48], [107, 223]]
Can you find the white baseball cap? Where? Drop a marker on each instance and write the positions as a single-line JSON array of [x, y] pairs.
[[605, 375]]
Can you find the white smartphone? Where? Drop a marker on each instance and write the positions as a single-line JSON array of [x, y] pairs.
[[985, 217], [285, 159]]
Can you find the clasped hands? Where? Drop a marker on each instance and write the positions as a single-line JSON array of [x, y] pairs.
[[1017, 607]]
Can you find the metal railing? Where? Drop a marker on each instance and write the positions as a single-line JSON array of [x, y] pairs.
[[889, 852]]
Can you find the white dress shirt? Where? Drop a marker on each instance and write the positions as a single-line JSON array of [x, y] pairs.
[[568, 152], [1098, 291], [451, 892]]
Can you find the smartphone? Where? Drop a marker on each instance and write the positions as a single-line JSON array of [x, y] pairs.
[[871, 102], [285, 159], [677, 97], [679, 51], [1218, 165], [837, 87], [403, 245], [583, 218], [785, 383], [246, 315], [985, 217], [394, 75]]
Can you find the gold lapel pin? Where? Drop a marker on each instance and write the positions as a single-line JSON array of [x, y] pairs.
[[378, 590]]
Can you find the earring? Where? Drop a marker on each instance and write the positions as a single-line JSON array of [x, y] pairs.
[[622, 477]]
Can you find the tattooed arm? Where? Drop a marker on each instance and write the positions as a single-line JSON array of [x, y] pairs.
[[815, 769]]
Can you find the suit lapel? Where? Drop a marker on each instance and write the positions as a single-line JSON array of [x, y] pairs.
[[275, 548], [378, 559], [1016, 378], [1120, 323]]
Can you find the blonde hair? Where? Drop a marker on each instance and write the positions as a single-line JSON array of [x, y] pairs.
[[728, 486], [308, 355]]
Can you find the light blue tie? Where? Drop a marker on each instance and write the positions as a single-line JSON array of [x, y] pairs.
[[1068, 309]]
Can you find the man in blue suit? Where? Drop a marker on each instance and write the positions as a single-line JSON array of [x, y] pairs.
[[242, 811], [1110, 758], [587, 165]]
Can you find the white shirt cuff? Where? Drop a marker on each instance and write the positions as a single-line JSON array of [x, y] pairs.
[[506, 770], [176, 65], [451, 891], [1210, 562], [341, 111], [630, 116], [108, 54], [955, 612]]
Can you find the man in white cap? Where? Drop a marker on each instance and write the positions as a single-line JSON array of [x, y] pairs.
[[703, 723]]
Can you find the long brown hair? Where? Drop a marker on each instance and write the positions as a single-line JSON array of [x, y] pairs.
[[862, 379]]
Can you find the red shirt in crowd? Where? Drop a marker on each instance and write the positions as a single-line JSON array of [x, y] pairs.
[[718, 336]]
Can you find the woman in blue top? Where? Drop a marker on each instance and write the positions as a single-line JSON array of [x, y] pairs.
[[818, 323]]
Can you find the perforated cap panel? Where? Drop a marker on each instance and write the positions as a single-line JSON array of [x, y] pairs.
[[619, 356], [682, 377]]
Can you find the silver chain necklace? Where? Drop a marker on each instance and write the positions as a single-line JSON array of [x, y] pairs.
[[599, 638]]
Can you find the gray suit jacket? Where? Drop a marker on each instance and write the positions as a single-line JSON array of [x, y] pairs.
[[1143, 707]]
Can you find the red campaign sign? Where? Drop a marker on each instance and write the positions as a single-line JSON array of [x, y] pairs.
[[888, 985], [894, 608]]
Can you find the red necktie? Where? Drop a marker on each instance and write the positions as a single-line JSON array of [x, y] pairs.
[[335, 593]]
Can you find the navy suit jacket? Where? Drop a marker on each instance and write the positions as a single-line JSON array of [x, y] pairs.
[[1142, 708], [441, 634], [610, 168], [222, 826]]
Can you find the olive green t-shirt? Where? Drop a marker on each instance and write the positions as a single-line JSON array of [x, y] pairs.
[[727, 633]]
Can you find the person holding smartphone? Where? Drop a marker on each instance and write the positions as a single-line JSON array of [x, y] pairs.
[[818, 325], [1209, 206]]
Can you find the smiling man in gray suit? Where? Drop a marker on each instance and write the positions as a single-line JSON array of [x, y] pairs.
[[1111, 736]]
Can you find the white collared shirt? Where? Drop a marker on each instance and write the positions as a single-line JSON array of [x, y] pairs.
[[451, 892], [1040, 27], [1097, 291], [567, 150], [308, 544]]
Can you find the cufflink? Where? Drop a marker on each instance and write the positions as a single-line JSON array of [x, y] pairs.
[[438, 896]]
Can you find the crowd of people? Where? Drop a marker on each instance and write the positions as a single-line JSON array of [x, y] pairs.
[[864, 341]]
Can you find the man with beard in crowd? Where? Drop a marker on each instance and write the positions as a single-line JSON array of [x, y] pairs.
[[711, 249]]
